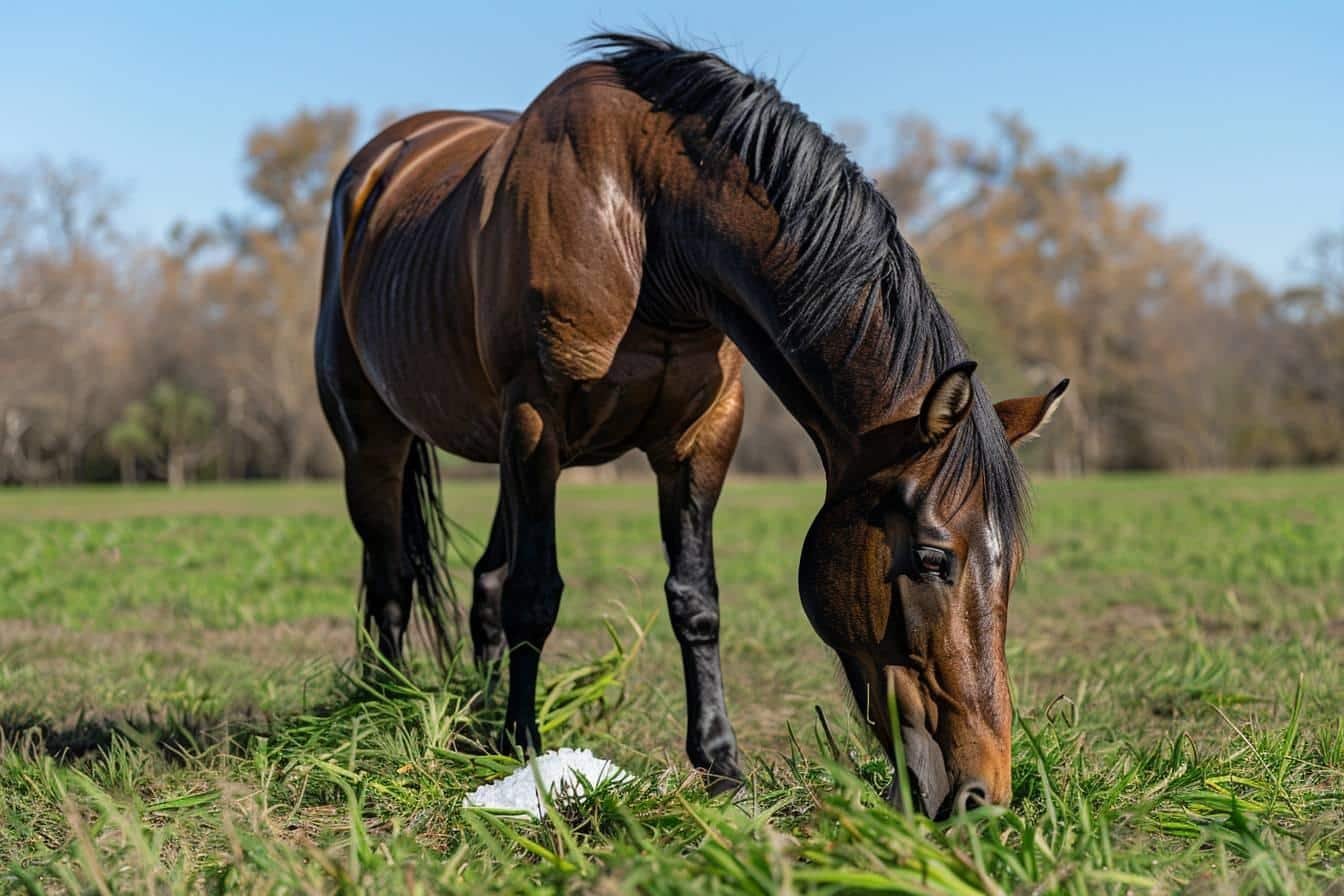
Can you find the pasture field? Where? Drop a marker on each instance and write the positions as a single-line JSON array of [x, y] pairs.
[[175, 713]]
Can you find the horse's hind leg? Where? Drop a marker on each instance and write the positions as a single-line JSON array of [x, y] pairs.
[[688, 490], [374, 493], [375, 446], [487, 626]]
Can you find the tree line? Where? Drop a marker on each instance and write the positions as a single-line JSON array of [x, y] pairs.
[[190, 358]]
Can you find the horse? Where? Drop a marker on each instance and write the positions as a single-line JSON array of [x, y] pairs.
[[556, 287]]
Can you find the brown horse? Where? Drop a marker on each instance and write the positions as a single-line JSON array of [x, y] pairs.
[[561, 286]]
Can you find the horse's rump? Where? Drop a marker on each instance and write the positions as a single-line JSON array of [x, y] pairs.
[[403, 284]]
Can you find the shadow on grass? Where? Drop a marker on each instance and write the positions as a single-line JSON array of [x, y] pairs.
[[458, 703], [176, 737]]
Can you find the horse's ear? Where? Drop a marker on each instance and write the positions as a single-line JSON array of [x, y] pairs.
[[1023, 418], [947, 401]]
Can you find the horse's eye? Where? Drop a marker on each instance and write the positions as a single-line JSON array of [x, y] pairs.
[[932, 561]]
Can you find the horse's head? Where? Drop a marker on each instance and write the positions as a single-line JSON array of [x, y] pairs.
[[906, 574]]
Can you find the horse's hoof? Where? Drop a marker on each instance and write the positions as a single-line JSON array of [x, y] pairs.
[[723, 780], [489, 655], [519, 740]]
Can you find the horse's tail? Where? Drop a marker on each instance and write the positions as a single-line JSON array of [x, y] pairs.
[[425, 537]]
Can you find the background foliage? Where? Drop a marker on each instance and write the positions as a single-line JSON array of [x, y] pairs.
[[1180, 358]]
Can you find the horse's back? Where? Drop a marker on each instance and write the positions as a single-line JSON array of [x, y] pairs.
[[412, 164]]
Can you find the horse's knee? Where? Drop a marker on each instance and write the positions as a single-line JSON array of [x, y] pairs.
[[529, 607], [693, 607]]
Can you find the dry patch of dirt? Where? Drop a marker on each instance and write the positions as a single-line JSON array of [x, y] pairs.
[[55, 646], [93, 685], [1071, 631]]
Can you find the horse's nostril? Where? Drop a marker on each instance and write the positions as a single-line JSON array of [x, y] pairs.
[[973, 795]]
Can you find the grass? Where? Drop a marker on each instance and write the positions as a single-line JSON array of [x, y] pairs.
[[176, 714]]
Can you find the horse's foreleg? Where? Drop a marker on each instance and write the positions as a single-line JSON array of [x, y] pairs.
[[487, 627], [529, 468], [688, 490]]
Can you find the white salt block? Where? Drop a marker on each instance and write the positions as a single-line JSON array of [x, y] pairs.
[[559, 772]]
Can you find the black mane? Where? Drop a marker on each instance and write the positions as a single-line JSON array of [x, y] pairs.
[[849, 253]]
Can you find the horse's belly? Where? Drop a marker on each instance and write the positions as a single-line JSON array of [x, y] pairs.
[[424, 366], [656, 389]]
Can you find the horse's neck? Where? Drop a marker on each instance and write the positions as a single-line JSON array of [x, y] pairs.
[[719, 247], [836, 387]]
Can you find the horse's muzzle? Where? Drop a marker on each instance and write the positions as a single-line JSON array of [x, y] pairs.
[[926, 771]]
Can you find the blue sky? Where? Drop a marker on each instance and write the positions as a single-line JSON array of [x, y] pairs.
[[1230, 114]]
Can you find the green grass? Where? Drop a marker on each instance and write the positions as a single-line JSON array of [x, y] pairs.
[[175, 713]]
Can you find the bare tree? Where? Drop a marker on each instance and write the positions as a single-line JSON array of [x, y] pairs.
[[291, 170], [61, 314]]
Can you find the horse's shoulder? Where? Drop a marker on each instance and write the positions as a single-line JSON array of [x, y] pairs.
[[561, 225]]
